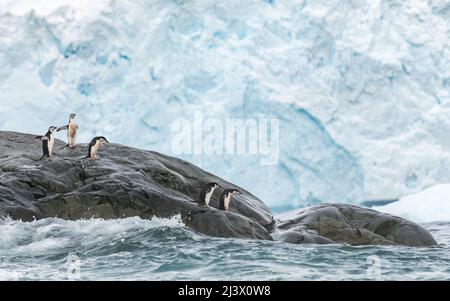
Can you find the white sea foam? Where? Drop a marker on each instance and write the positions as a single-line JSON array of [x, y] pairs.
[[55, 234], [136, 249]]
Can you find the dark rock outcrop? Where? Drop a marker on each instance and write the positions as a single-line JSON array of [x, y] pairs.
[[341, 223], [125, 182], [131, 182]]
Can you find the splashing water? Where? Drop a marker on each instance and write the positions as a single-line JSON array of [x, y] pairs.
[[164, 249]]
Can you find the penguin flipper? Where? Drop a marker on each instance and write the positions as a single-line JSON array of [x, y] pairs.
[[62, 128]]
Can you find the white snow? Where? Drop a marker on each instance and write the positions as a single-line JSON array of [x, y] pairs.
[[361, 88], [432, 204], [84, 8]]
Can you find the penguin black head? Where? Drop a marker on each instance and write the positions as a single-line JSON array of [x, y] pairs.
[[99, 139], [52, 129], [72, 116], [102, 140], [212, 185], [233, 191]]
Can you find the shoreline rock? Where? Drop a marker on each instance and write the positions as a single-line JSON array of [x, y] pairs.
[[350, 224], [131, 182]]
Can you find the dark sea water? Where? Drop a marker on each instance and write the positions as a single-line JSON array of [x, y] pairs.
[[163, 249]]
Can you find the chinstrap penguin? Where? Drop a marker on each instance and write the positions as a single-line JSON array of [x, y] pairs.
[[94, 147], [206, 193], [48, 141], [225, 198], [72, 129]]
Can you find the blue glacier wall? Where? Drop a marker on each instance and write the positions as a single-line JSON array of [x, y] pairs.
[[361, 88]]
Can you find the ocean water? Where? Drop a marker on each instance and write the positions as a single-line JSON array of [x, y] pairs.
[[164, 249]]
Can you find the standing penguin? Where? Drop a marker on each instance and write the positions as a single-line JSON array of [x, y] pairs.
[[72, 129], [206, 193], [48, 141], [94, 146], [225, 198]]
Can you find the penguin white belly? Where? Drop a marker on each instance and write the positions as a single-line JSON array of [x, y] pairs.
[[94, 150], [208, 196], [51, 142], [226, 202], [72, 134]]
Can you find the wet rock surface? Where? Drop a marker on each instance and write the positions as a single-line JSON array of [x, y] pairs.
[[354, 225], [125, 182], [131, 182]]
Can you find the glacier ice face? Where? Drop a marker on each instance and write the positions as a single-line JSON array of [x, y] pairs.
[[361, 88]]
